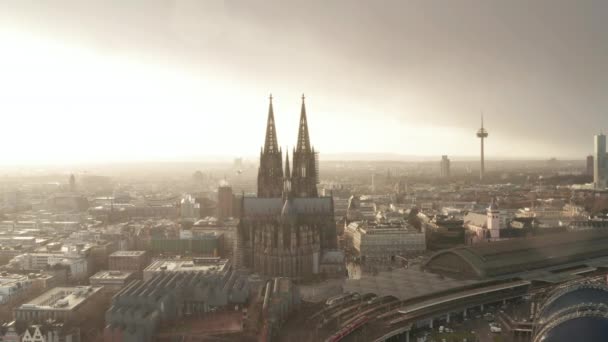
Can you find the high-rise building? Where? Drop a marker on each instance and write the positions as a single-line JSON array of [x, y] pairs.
[[589, 169], [600, 167], [444, 167], [285, 230], [482, 134], [72, 183], [224, 202]]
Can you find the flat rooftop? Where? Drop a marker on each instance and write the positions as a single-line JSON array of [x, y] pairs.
[[127, 253], [12, 278], [61, 298], [188, 265], [111, 275]]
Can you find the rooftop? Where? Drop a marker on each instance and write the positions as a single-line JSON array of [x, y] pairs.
[[12, 278], [188, 265], [127, 253], [111, 275], [60, 298], [496, 259]]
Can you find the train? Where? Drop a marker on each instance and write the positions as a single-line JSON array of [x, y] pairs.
[[345, 331], [341, 298]]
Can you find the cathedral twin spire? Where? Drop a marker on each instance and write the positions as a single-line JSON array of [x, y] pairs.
[[270, 144], [302, 179]]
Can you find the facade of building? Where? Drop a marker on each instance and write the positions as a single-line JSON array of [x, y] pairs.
[[179, 265], [382, 241], [63, 304], [600, 162], [111, 281], [589, 166], [285, 229], [13, 286], [78, 264], [189, 208], [55, 332], [225, 200], [444, 167], [208, 244], [138, 310], [226, 228], [129, 261]]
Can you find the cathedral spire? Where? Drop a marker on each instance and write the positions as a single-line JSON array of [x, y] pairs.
[[303, 144], [270, 173], [304, 170], [270, 143]]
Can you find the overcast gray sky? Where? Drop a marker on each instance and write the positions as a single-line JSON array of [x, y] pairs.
[[145, 80]]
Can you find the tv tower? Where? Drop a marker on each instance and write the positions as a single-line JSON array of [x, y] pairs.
[[482, 134]]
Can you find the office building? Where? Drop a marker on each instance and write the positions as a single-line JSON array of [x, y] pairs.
[[129, 261], [589, 166], [600, 162], [179, 265], [444, 167], [111, 281], [225, 201], [63, 304], [383, 241]]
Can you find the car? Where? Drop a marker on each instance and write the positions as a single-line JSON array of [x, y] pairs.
[[495, 329]]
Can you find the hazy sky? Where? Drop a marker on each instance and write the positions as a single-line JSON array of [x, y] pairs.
[[143, 80]]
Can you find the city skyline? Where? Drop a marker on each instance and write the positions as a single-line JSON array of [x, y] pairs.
[[172, 80]]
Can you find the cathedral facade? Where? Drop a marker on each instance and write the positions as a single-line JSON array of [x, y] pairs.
[[287, 227]]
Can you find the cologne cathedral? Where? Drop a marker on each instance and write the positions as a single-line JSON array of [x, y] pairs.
[[285, 230]]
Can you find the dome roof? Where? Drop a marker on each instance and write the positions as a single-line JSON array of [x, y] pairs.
[[590, 325], [573, 295]]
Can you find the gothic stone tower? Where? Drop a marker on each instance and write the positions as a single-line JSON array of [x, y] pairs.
[[304, 171], [285, 230], [270, 173]]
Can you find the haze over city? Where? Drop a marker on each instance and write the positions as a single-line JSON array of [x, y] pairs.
[[168, 80], [303, 171]]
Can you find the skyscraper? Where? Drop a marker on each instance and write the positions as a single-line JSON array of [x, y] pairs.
[[482, 134], [589, 168], [224, 202], [444, 167], [600, 167], [72, 183]]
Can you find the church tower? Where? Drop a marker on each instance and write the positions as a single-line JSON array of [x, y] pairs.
[[270, 173], [493, 223], [304, 171]]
